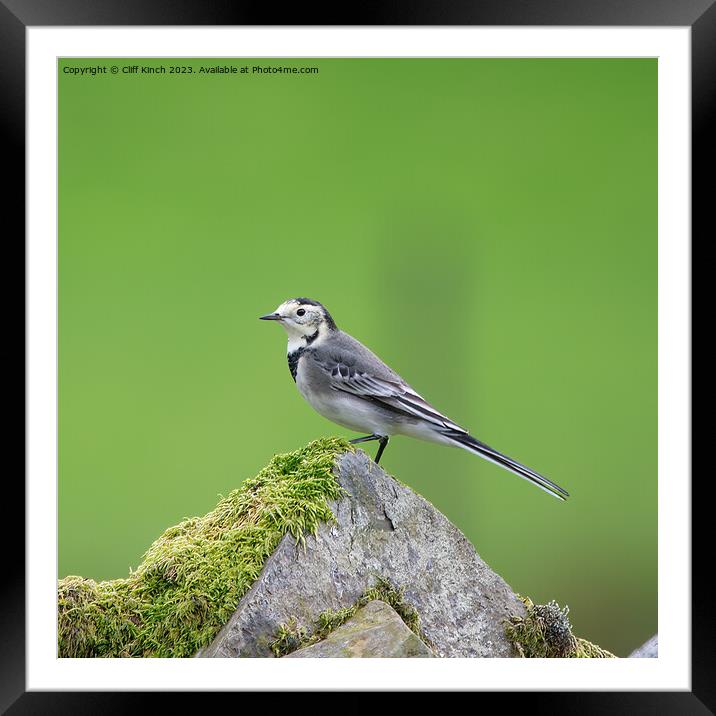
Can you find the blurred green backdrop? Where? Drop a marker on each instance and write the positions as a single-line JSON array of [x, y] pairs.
[[487, 226]]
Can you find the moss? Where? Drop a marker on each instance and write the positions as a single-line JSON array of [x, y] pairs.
[[291, 636], [192, 578], [545, 632]]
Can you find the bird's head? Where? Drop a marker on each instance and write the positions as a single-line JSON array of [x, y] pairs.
[[305, 321]]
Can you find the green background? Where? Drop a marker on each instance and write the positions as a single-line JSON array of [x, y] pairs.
[[488, 227]]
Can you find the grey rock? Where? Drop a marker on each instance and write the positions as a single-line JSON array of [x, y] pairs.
[[383, 529], [648, 650], [375, 631]]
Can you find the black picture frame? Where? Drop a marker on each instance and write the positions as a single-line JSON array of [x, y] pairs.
[[699, 15]]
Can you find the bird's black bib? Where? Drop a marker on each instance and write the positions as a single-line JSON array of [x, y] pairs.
[[293, 359]]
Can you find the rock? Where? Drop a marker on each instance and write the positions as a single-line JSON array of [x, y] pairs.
[[382, 529], [376, 630], [648, 650]]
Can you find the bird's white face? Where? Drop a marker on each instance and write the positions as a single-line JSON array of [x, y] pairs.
[[305, 323]]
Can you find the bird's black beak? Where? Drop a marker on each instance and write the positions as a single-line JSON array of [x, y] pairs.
[[271, 317]]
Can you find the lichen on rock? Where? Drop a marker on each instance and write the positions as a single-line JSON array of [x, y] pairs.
[[545, 632], [376, 630], [291, 636], [193, 576]]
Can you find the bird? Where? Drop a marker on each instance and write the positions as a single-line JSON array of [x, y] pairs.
[[345, 382]]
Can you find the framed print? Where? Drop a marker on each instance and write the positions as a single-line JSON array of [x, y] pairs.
[[498, 201]]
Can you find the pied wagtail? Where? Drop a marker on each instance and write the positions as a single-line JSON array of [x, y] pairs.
[[348, 384]]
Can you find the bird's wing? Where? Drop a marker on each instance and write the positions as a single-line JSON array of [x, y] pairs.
[[352, 368]]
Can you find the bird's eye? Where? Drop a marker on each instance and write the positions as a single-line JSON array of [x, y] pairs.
[[301, 312]]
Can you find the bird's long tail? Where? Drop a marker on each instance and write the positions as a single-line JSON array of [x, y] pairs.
[[467, 442]]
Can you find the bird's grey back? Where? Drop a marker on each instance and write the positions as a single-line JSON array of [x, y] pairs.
[[343, 348]]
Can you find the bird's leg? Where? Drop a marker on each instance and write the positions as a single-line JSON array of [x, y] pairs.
[[383, 442], [365, 439]]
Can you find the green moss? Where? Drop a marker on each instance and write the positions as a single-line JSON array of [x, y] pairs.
[[192, 578], [545, 632], [292, 636]]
